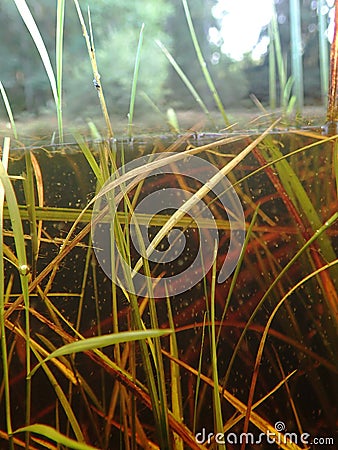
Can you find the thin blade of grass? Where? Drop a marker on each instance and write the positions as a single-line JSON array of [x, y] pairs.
[[198, 380], [203, 64], [265, 335], [186, 81], [63, 400], [23, 271], [176, 392], [103, 341], [29, 191], [272, 70], [4, 354], [237, 269], [323, 51], [279, 55], [134, 83], [296, 54], [60, 14], [217, 410], [29, 21], [285, 442], [204, 190], [8, 109], [92, 56], [297, 255]]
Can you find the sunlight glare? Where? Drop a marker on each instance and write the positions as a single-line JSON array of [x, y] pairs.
[[241, 22]]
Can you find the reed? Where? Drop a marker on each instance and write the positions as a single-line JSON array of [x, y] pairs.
[[296, 54], [134, 83], [323, 52]]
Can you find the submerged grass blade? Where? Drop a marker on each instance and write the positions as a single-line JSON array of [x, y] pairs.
[[56, 436], [63, 399], [23, 271], [282, 273], [301, 201], [237, 269], [176, 391], [265, 335], [4, 354], [134, 83], [218, 420], [201, 193], [103, 341], [28, 184]]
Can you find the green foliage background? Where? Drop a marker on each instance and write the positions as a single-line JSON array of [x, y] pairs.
[[116, 26]]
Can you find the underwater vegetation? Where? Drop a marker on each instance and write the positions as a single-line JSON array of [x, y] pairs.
[[173, 292]]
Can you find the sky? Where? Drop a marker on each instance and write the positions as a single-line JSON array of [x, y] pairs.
[[241, 26]]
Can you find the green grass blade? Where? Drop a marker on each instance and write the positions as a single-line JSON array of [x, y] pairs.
[[63, 400], [218, 421], [40, 45], [90, 159], [54, 435], [296, 54], [298, 195], [237, 269], [97, 77], [176, 392], [323, 52], [297, 255], [23, 271], [92, 343], [185, 80], [201, 193], [4, 354], [272, 70], [134, 83], [279, 55], [29, 191], [198, 377], [8, 109], [203, 65], [60, 14]]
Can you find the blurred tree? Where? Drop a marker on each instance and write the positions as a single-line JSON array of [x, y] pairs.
[[116, 26]]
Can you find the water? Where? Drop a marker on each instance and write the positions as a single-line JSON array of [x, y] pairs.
[[78, 293]]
